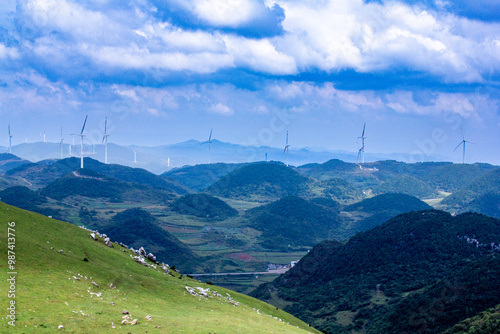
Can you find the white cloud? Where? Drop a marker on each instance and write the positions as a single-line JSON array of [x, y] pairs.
[[222, 109], [333, 35], [224, 13], [8, 52], [328, 36], [134, 57], [259, 55]]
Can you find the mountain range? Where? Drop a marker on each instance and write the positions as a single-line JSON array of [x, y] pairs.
[[159, 159]]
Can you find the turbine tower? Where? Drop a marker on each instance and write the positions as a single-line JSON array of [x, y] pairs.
[[81, 141], [209, 142], [10, 141], [135, 155], [286, 148], [361, 151], [61, 143], [462, 143], [105, 140]]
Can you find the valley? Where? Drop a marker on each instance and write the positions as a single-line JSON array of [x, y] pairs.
[[247, 220]]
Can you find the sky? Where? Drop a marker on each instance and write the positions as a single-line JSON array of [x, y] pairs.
[[419, 74]]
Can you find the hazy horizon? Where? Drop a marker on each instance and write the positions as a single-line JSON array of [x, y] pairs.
[[164, 72]]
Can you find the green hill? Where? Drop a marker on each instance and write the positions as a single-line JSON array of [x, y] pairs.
[[87, 183], [199, 177], [465, 292], [42, 174], [333, 168], [376, 210], [292, 222], [261, 181], [488, 204], [136, 228], [405, 184], [340, 190], [416, 252], [27, 199], [487, 183], [9, 161], [487, 322], [388, 202], [452, 178], [204, 206], [64, 278]]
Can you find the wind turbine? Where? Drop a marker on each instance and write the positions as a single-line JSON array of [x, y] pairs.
[[61, 143], [286, 148], [209, 142], [135, 155], [81, 141], [361, 151], [462, 143], [105, 140], [10, 141]]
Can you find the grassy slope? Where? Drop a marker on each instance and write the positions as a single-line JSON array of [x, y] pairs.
[[47, 295]]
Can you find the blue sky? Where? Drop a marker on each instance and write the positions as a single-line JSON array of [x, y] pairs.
[[415, 72]]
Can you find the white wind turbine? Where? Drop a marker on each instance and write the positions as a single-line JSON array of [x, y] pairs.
[[10, 141], [81, 141], [61, 146], [361, 151], [209, 142], [286, 148], [105, 140], [462, 143], [135, 155]]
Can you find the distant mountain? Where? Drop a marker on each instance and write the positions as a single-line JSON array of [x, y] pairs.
[[406, 184], [158, 159], [137, 228], [45, 172], [10, 161], [453, 177], [204, 206], [87, 183], [376, 210], [488, 182], [292, 222], [262, 181], [413, 258], [199, 177]]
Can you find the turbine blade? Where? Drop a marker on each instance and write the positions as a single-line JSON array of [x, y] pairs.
[[462, 130], [458, 146], [84, 123], [105, 125], [9, 130], [210, 137], [363, 134]]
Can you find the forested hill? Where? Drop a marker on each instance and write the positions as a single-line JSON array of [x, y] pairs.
[[404, 256], [261, 180]]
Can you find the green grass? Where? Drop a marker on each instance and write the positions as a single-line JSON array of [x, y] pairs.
[[47, 294]]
